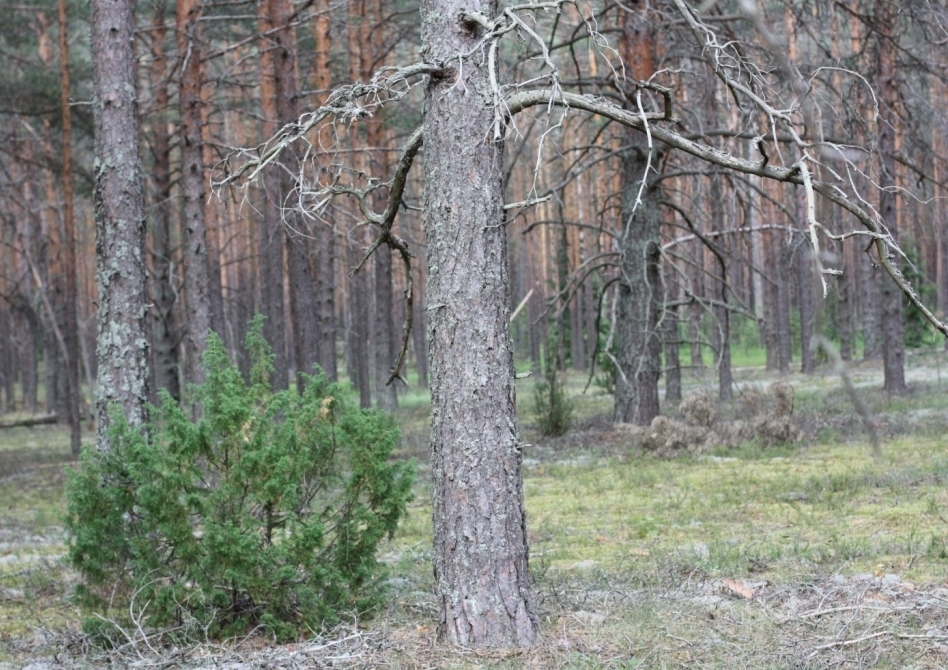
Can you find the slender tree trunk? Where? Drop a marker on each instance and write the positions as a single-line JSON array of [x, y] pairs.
[[164, 338], [721, 333], [893, 350], [357, 363], [672, 352], [122, 348], [197, 278], [480, 535], [325, 234], [270, 231], [805, 299], [69, 326], [784, 340], [871, 312], [303, 304]]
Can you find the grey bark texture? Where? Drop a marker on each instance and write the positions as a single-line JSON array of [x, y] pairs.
[[164, 340], [196, 275], [480, 537], [122, 343], [638, 341]]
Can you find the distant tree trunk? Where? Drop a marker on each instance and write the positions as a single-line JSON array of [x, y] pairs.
[[638, 341], [480, 536], [70, 325], [357, 365], [270, 234], [303, 304], [784, 340], [190, 101], [164, 338], [385, 342], [6, 360], [696, 311], [893, 349], [721, 330], [672, 357], [871, 312], [325, 234], [847, 303], [122, 350]]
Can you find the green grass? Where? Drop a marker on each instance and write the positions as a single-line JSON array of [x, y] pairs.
[[605, 519]]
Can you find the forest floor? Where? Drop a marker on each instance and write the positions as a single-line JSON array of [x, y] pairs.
[[812, 555]]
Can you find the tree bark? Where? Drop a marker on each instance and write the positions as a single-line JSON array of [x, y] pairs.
[[197, 277], [270, 227], [784, 340], [122, 344], [721, 329], [164, 338], [638, 342], [70, 299], [303, 304], [893, 349], [480, 538], [325, 234]]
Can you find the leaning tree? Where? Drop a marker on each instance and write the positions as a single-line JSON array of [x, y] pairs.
[[470, 109]]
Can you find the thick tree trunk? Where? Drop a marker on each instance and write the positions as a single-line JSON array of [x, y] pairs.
[[638, 342], [164, 339], [197, 278], [480, 536], [122, 345]]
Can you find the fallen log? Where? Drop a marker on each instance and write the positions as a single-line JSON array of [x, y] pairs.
[[35, 420]]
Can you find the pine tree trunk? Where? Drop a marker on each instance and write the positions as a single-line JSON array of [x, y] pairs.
[[190, 102], [164, 338], [69, 326], [325, 234], [783, 308], [721, 330], [480, 538], [357, 366], [303, 305], [893, 349], [122, 343], [638, 342], [270, 234]]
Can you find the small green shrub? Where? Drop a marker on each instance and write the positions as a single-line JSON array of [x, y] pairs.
[[551, 406], [268, 511]]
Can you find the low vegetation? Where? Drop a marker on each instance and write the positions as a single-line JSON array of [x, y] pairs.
[[267, 513], [811, 554]]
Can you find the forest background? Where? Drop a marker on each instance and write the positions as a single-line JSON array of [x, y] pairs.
[[727, 256]]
